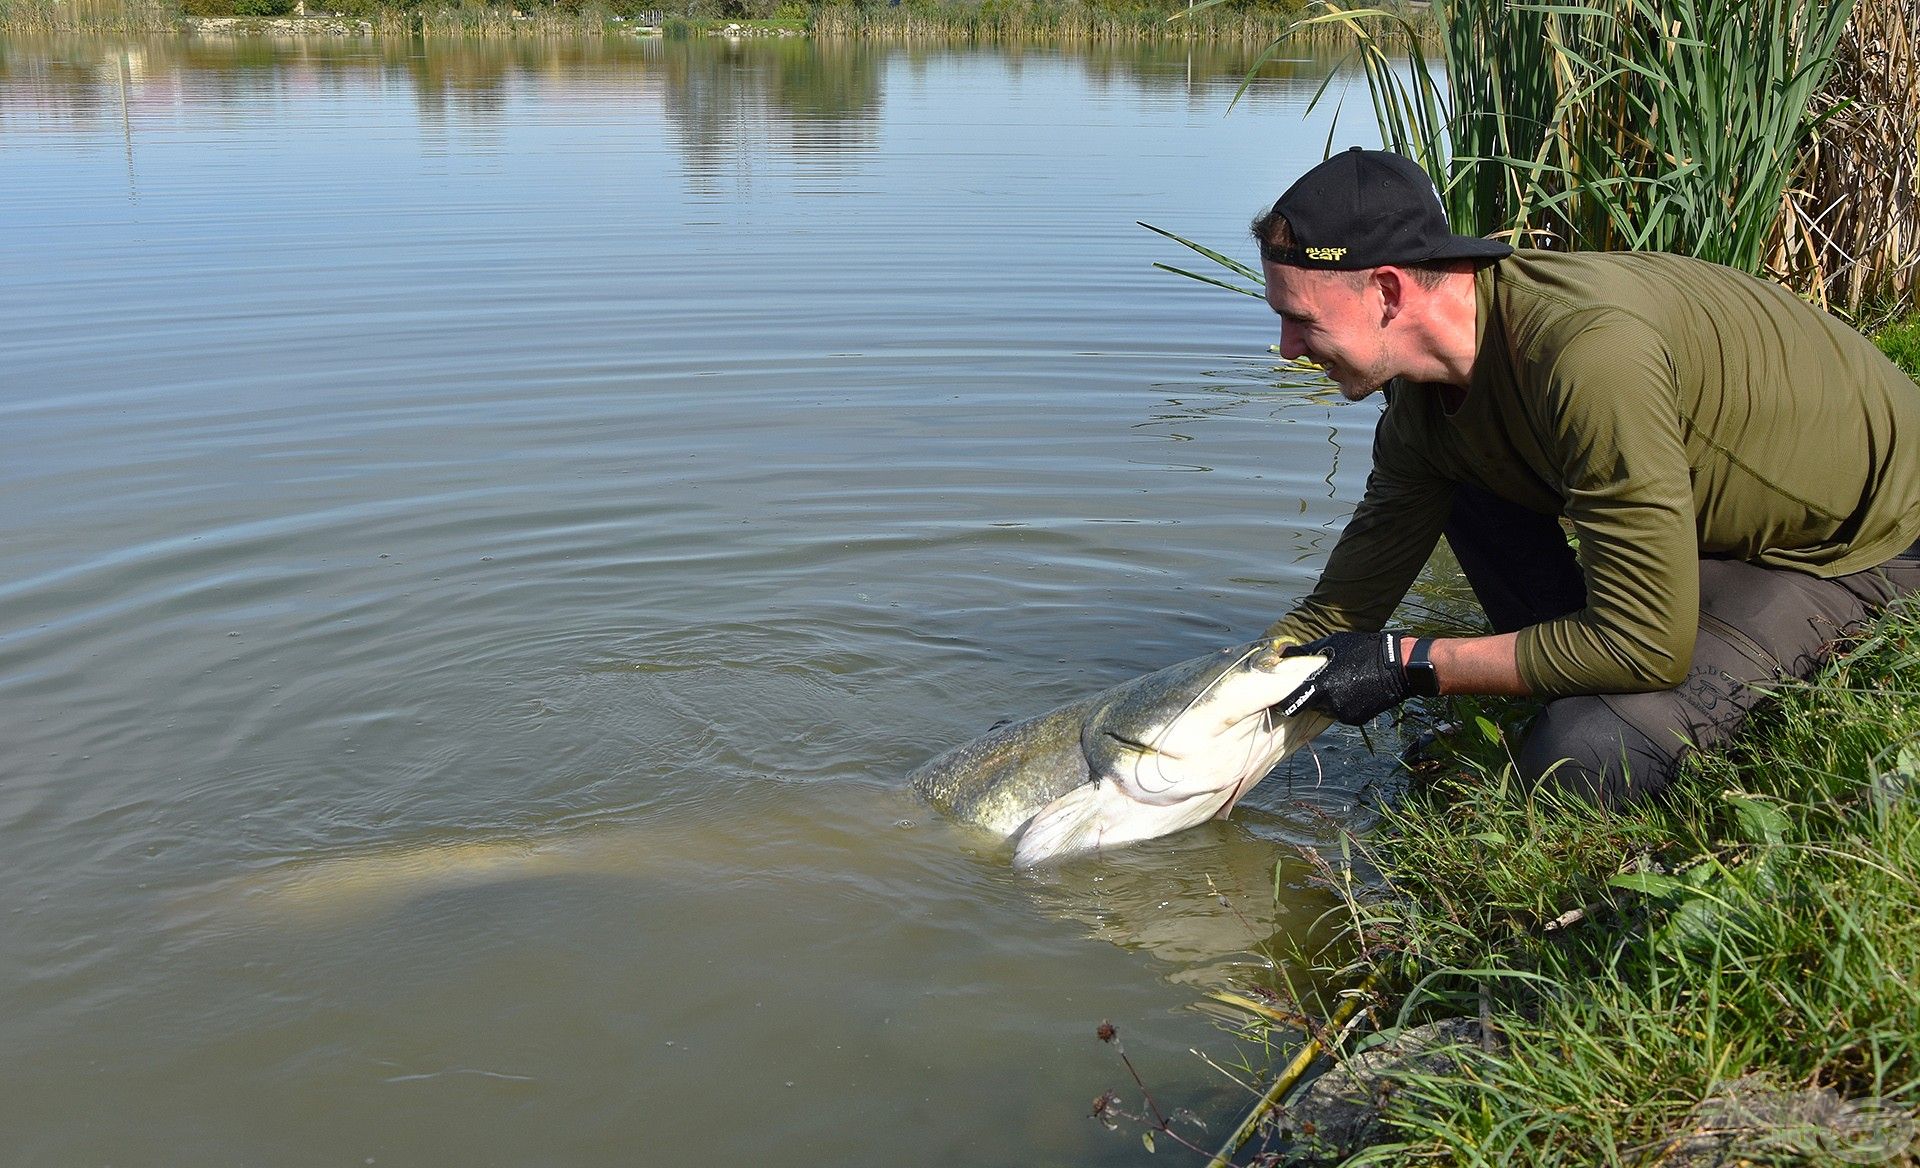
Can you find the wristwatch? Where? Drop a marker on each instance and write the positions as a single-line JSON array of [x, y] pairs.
[[1422, 680]]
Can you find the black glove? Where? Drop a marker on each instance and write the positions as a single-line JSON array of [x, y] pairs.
[[1362, 677]]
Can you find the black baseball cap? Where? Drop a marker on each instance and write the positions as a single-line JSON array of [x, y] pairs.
[[1364, 208]]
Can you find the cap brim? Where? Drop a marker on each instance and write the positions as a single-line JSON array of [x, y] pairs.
[[1469, 247]]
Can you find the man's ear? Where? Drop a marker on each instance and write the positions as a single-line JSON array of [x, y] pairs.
[[1392, 283]]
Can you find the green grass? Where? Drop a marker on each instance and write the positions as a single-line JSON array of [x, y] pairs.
[[1759, 928], [1901, 341]]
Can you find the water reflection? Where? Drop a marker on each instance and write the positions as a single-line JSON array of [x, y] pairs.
[[1202, 903], [799, 97], [824, 92], [734, 109]]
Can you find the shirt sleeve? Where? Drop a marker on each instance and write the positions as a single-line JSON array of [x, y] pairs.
[[1382, 548], [1609, 408]]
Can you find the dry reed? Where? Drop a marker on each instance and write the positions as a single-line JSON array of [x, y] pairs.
[[1850, 234]]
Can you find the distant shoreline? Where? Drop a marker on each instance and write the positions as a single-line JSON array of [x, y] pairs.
[[347, 26], [1037, 20]]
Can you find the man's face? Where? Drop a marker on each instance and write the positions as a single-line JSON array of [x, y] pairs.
[[1336, 320]]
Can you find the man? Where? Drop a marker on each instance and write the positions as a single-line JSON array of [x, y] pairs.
[[1740, 472]]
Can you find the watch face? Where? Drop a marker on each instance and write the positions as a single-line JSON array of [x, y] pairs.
[[1422, 678]]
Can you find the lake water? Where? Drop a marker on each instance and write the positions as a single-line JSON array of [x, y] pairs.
[[491, 525]]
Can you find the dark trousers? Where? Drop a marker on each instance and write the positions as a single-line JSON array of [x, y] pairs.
[[1757, 625]]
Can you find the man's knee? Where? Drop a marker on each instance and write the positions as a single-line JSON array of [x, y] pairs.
[[1581, 747], [1757, 624]]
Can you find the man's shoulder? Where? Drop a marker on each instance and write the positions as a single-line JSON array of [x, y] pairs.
[[1577, 280], [1638, 283], [1543, 301]]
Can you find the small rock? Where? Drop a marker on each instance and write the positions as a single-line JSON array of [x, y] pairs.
[[1748, 1118], [1340, 1112]]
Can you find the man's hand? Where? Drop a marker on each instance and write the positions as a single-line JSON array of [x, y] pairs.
[[1363, 677]]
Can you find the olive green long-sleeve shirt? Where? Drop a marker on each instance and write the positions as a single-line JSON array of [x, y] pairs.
[[1671, 409]]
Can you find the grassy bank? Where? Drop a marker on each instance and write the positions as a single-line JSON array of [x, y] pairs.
[[1731, 975], [1741, 948]]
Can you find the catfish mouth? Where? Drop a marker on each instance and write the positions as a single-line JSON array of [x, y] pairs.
[[1142, 747]]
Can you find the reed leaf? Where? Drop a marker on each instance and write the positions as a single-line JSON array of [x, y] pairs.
[[1675, 125], [1232, 265], [1205, 279]]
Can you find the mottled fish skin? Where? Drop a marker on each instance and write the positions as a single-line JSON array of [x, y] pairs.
[[1001, 778], [1147, 757]]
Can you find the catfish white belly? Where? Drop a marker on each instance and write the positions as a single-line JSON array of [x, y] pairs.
[[1146, 758]]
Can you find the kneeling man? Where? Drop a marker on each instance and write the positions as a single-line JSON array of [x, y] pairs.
[[1741, 473]]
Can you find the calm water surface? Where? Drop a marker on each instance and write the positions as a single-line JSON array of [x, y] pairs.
[[490, 526]]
